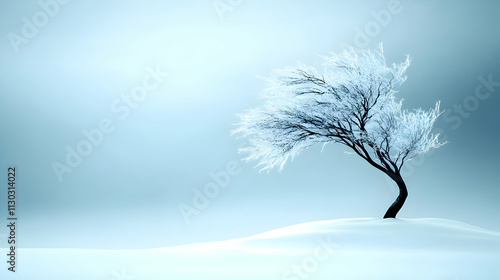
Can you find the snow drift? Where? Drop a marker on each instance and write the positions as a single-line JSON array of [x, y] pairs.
[[339, 249]]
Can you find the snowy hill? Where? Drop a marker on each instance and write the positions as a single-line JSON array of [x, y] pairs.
[[423, 249]]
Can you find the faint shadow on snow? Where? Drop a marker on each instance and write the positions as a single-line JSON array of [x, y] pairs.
[[344, 249]]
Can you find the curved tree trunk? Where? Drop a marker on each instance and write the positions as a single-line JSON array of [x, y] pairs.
[[400, 200]]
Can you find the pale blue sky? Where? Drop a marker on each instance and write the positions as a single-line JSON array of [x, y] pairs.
[[126, 193]]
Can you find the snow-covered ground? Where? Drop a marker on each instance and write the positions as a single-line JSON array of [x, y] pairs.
[[367, 249]]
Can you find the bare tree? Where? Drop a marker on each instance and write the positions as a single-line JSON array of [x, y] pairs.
[[351, 102]]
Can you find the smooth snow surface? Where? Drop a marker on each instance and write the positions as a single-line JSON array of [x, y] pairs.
[[361, 249]]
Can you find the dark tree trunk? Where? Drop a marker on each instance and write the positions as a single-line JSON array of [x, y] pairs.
[[400, 200]]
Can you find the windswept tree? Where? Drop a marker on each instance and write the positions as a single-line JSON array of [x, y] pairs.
[[352, 102]]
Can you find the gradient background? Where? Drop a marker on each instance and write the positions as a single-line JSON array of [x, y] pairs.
[[126, 193]]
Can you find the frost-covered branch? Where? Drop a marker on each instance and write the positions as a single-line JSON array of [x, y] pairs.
[[351, 101]]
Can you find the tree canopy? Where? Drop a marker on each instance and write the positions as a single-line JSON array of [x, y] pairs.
[[351, 101]]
